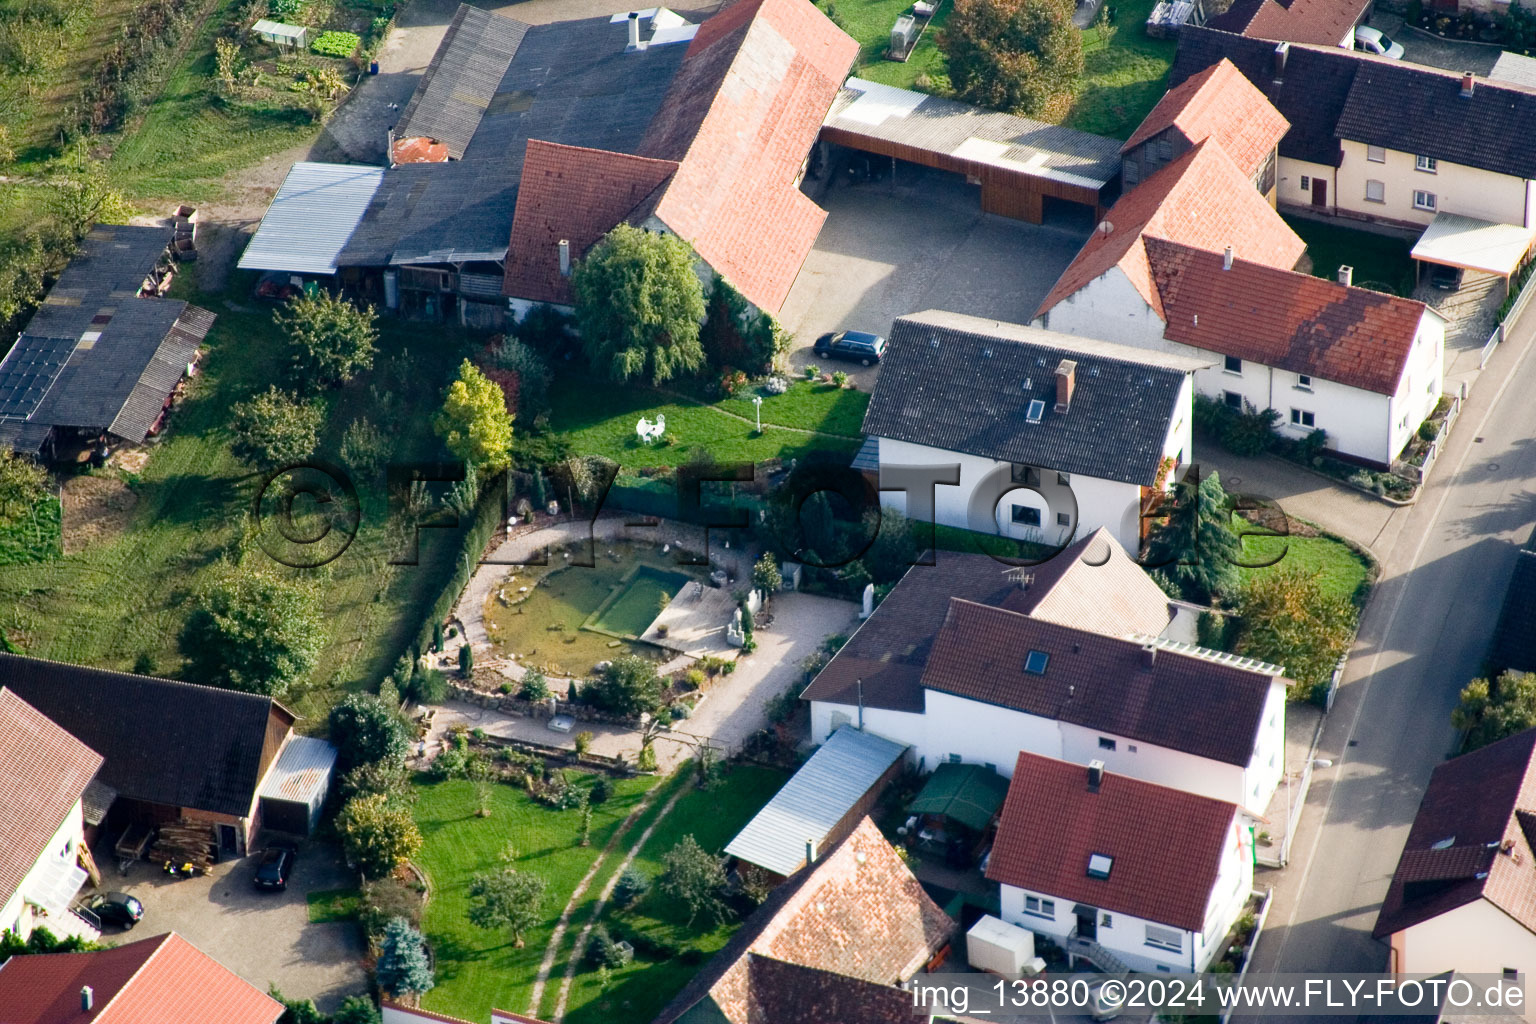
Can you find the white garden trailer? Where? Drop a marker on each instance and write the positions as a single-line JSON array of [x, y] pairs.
[[996, 946]]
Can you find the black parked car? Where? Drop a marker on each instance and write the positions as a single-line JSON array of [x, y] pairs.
[[115, 908], [855, 346], [275, 867], [1447, 279]]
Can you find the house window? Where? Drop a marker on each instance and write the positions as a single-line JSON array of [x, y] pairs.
[[1233, 399], [1165, 938], [1029, 476], [1026, 515], [1232, 364], [1063, 519], [1164, 149], [1036, 662], [1131, 747], [1035, 412], [1304, 381], [1039, 907], [1105, 743], [1375, 191], [1423, 200], [1306, 183], [1132, 171], [1106, 921], [1427, 164], [1376, 154], [1301, 418]]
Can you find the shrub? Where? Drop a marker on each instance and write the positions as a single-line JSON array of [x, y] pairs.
[[1288, 619], [535, 687], [632, 885], [377, 834], [646, 761], [840, 380], [274, 428], [384, 900], [335, 44], [533, 376], [428, 686], [403, 968], [466, 659], [693, 679], [776, 385], [628, 686], [812, 371], [1428, 431], [765, 573], [732, 381], [601, 790], [1492, 710], [366, 448], [365, 729], [356, 1010]]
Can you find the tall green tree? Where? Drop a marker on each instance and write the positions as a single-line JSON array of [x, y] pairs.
[[253, 630], [331, 339], [1492, 710], [639, 303], [403, 968], [1196, 548], [1022, 56], [274, 428], [509, 899], [695, 879], [378, 834], [364, 730], [475, 423], [628, 685], [1289, 619]]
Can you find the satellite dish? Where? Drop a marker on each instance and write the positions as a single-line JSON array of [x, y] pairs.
[[1105, 227]]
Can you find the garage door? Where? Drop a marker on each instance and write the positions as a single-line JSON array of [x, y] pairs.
[[284, 816]]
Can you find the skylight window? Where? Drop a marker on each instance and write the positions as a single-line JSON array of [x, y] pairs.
[[1036, 411], [1036, 662], [1099, 865]]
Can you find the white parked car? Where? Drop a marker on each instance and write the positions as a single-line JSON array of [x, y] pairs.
[[1371, 40]]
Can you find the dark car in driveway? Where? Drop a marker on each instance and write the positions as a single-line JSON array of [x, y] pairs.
[[854, 346], [115, 908], [1445, 278], [275, 866]]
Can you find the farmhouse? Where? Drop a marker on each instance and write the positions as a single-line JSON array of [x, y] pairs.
[[1124, 873], [101, 360], [225, 760], [523, 145], [1017, 431]]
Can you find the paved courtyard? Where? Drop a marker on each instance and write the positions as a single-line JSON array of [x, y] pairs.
[[919, 242], [265, 937], [1426, 48]]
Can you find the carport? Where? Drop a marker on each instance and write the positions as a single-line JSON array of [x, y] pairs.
[[1022, 166], [1452, 240]]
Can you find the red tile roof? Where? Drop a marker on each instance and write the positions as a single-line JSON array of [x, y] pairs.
[[742, 113], [1218, 103], [419, 149], [1322, 22], [1167, 845], [576, 194], [43, 771], [1475, 806], [152, 981], [1203, 200], [1285, 319]]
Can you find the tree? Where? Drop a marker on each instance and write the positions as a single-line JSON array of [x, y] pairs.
[[364, 446], [639, 303], [1490, 711], [630, 888], [22, 485], [84, 194], [275, 429], [584, 833], [628, 686], [466, 659], [535, 687], [255, 631], [475, 423], [1289, 619], [331, 339], [694, 878], [365, 730], [1022, 56], [356, 1010], [735, 335], [532, 373], [1196, 548], [388, 777], [765, 573], [378, 834], [402, 968], [482, 775], [509, 899]]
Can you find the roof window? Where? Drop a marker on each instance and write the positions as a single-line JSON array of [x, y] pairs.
[[1035, 663], [1035, 412], [1099, 865]]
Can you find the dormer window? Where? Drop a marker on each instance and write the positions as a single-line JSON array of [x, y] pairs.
[[1099, 865]]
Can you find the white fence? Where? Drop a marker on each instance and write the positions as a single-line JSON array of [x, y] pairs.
[[1501, 331]]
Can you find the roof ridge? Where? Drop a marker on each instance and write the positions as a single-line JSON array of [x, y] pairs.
[[237, 694]]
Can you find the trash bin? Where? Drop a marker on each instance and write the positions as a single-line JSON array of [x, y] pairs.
[[373, 67]]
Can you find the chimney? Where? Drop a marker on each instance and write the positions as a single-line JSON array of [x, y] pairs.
[[1346, 274], [1066, 380], [1282, 51], [634, 30], [1148, 656], [1226, 259], [565, 252], [1466, 84], [1095, 775], [87, 999], [810, 851]]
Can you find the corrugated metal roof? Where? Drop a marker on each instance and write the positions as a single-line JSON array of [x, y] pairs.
[[302, 772], [824, 790], [311, 218]]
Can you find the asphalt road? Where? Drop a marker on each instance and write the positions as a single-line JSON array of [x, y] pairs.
[[1446, 562]]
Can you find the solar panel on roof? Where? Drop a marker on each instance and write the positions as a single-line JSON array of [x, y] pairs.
[[28, 371]]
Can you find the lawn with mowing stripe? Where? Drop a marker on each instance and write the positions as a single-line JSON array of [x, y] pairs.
[[638, 991], [806, 406], [1125, 72], [479, 969]]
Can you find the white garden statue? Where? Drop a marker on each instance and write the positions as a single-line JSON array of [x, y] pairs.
[[648, 431]]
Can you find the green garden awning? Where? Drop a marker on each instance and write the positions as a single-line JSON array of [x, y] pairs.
[[968, 793]]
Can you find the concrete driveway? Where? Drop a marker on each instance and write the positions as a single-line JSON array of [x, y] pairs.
[[1426, 48], [265, 937], [920, 241]]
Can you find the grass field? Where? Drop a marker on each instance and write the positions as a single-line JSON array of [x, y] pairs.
[[124, 597], [1339, 568], [870, 22], [328, 905], [598, 418], [1125, 73], [478, 969], [35, 537], [1380, 261], [641, 989]]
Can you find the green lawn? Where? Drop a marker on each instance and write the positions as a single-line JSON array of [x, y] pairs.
[[641, 989], [328, 905], [870, 22], [479, 969], [35, 536], [1125, 73], [637, 607], [1380, 261], [598, 417], [1340, 569], [125, 596]]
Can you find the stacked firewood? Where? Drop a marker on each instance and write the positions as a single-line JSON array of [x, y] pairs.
[[184, 842]]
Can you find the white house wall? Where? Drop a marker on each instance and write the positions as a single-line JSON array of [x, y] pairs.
[[1477, 938], [1469, 191], [1267, 766], [1290, 192], [1152, 763], [17, 915], [1108, 308], [1419, 390]]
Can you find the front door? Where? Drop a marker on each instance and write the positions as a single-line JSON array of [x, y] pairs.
[[229, 839], [1087, 923], [1319, 192]]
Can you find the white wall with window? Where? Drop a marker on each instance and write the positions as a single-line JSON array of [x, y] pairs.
[[1303, 183], [1410, 188], [22, 911]]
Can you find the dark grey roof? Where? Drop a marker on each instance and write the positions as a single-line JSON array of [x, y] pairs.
[[964, 384], [113, 260], [492, 88], [164, 742]]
